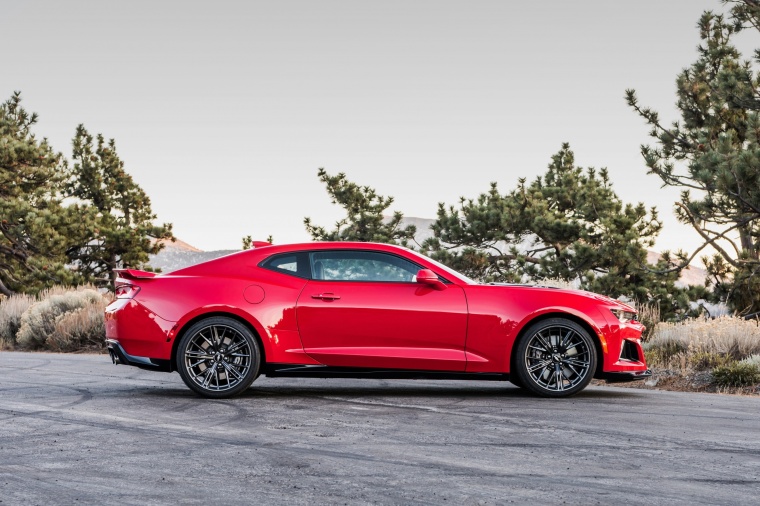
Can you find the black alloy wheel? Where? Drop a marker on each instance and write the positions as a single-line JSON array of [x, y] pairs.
[[218, 357], [555, 358]]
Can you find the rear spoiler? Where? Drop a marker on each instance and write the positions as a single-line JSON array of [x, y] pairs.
[[260, 244], [134, 274]]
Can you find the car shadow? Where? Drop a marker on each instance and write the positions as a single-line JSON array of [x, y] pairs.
[[389, 389]]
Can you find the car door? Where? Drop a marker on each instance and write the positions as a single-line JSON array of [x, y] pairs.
[[364, 309]]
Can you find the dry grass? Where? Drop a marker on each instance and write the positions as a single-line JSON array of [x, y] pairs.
[[80, 330], [649, 315], [11, 309], [728, 346], [728, 336], [63, 320]]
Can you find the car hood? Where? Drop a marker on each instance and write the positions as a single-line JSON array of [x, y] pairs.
[[608, 301]]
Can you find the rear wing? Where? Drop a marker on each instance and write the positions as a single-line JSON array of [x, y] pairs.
[[260, 244], [134, 274]]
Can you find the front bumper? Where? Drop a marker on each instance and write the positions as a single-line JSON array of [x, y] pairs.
[[119, 356], [619, 377]]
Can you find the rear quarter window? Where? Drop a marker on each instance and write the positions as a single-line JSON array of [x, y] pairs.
[[292, 264]]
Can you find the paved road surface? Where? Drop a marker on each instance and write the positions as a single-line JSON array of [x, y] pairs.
[[75, 430]]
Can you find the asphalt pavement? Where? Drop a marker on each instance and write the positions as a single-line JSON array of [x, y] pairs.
[[75, 429]]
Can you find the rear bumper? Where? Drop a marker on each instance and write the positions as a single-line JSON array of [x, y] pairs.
[[618, 377], [138, 330], [119, 356]]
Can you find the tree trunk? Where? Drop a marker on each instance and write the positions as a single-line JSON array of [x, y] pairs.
[[748, 244], [112, 271], [5, 290]]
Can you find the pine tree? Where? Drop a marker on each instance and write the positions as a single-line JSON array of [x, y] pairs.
[[713, 154], [35, 228], [567, 224], [364, 220], [124, 233]]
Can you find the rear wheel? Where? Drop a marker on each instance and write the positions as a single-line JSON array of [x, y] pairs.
[[218, 357], [555, 358]]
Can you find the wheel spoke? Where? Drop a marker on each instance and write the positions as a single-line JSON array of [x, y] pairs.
[[231, 370], [207, 376], [572, 368], [198, 354], [564, 341], [578, 363], [542, 340], [558, 377], [235, 347], [211, 345], [540, 364]]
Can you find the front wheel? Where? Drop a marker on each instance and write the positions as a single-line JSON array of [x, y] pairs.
[[218, 357], [555, 358]]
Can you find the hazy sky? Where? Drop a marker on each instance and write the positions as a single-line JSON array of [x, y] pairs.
[[224, 111]]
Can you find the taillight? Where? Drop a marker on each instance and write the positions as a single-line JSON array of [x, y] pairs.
[[126, 291]]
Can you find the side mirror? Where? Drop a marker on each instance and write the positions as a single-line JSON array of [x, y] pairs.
[[430, 278]]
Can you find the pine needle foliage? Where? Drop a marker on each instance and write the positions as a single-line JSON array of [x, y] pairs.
[[365, 218], [123, 233], [567, 224], [35, 228]]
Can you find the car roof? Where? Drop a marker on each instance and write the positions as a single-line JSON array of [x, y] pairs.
[[320, 245], [259, 253]]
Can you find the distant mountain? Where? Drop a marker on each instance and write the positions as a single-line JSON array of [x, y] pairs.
[[179, 254]]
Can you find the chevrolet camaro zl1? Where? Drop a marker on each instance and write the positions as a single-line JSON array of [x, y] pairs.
[[339, 309]]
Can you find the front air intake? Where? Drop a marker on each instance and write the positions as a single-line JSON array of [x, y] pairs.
[[630, 352]]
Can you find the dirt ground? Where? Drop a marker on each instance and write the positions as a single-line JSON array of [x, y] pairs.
[[674, 381]]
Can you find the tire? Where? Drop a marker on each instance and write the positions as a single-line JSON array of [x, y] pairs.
[[556, 357], [218, 357]]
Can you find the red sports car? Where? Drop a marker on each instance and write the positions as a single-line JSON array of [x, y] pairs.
[[339, 309]]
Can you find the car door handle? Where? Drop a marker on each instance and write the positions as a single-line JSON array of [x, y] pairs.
[[325, 296]]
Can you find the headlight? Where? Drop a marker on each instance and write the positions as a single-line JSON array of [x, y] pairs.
[[623, 315]]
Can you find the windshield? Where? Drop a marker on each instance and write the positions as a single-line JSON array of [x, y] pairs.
[[448, 270]]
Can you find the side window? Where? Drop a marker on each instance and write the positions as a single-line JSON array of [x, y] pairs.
[[345, 265], [294, 264]]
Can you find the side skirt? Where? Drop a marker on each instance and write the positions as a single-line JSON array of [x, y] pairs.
[[325, 371]]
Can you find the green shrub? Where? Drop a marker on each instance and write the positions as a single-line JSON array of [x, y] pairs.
[[736, 374], [47, 318], [705, 360]]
